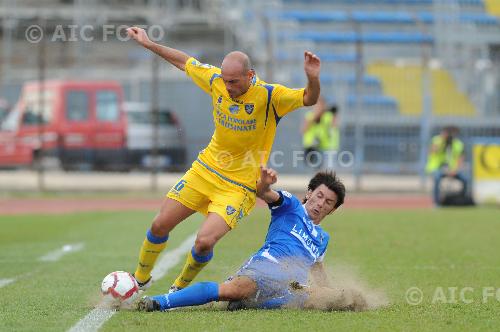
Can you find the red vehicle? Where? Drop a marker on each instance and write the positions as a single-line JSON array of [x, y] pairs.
[[77, 123]]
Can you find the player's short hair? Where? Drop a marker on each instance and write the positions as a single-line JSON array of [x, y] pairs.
[[329, 179]]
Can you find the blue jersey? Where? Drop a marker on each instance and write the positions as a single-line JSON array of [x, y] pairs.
[[292, 235]]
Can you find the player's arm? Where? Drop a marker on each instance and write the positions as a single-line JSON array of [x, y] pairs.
[[319, 275], [312, 66], [268, 177], [175, 57]]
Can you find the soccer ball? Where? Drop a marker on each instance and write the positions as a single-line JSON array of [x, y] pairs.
[[120, 288]]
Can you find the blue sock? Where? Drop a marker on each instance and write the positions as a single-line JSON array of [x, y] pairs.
[[199, 293]]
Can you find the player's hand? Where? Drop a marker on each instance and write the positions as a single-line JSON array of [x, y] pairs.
[[139, 35], [312, 64], [268, 176]]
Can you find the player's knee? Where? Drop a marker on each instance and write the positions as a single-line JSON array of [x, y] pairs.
[[230, 292], [159, 226], [204, 244]]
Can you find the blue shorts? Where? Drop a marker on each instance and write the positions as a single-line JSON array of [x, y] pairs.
[[274, 283]]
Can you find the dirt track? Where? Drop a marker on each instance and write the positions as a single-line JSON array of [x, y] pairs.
[[11, 206]]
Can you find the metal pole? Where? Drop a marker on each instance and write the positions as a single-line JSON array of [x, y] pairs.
[[155, 66], [269, 48], [358, 126], [6, 56], [41, 107], [426, 119]]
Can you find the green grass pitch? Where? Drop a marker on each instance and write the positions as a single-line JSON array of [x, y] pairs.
[[438, 251]]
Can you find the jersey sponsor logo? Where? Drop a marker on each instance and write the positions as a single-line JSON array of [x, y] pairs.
[[286, 193], [234, 109], [310, 226], [237, 101], [234, 123], [306, 240], [230, 210], [249, 108]]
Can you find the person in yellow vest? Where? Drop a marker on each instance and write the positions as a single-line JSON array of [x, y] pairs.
[[320, 133], [445, 159]]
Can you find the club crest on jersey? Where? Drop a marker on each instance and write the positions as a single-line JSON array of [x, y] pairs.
[[249, 108], [230, 210], [234, 109]]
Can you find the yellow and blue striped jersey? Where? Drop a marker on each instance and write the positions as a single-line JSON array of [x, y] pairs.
[[244, 127]]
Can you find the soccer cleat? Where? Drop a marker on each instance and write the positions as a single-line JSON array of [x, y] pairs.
[[148, 304], [144, 285], [236, 305], [173, 289]]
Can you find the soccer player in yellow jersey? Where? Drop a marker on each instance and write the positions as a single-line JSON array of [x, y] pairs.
[[221, 183]]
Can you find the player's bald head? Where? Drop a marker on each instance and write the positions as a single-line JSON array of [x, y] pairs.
[[237, 73], [236, 62]]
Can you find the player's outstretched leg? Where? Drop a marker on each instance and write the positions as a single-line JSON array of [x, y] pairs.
[[210, 232], [200, 293], [171, 214]]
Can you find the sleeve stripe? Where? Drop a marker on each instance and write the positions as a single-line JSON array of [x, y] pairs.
[[276, 117], [269, 89], [214, 76]]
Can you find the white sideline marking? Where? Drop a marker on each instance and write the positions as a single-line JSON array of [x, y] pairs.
[[93, 321], [98, 316], [5, 282], [58, 253]]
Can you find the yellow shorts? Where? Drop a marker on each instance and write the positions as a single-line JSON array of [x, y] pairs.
[[203, 190]]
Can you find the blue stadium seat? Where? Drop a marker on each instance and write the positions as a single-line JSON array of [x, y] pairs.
[[333, 37], [379, 102], [382, 17], [477, 18], [326, 57], [396, 37], [384, 2], [426, 17], [315, 16], [349, 79], [368, 37], [332, 57]]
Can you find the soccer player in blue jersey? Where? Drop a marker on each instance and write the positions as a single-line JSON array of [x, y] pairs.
[[295, 246]]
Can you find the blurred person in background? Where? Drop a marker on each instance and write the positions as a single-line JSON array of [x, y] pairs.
[[320, 134], [446, 159]]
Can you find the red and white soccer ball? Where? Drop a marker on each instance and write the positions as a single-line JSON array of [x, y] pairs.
[[120, 288]]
